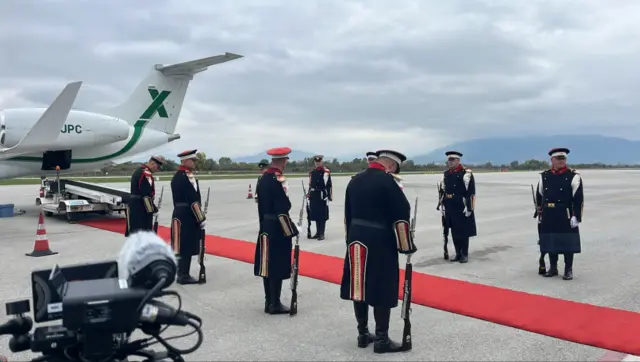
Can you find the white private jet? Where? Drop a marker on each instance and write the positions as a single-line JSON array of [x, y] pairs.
[[34, 141]]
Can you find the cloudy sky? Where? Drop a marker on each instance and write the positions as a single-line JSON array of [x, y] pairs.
[[340, 76]]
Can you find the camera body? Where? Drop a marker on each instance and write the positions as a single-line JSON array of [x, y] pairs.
[[97, 314], [99, 310], [46, 292], [104, 305]]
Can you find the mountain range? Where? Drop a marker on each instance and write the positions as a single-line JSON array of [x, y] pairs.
[[498, 150]]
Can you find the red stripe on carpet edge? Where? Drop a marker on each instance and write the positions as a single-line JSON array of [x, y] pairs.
[[602, 327]]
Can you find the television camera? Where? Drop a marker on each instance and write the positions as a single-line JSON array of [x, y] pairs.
[[101, 305]]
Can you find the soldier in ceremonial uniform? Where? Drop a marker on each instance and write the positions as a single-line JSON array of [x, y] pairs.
[[188, 220], [140, 207], [377, 215], [263, 167], [320, 194], [273, 248], [371, 156], [560, 200], [458, 189]]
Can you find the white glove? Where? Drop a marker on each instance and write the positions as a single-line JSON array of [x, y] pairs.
[[466, 212], [574, 222], [203, 224]]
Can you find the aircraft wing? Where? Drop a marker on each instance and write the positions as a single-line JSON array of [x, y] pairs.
[[48, 127]]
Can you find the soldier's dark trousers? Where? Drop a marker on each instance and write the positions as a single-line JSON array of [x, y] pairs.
[[456, 246], [362, 317], [320, 227], [265, 284], [462, 249], [273, 290], [568, 265], [382, 343]]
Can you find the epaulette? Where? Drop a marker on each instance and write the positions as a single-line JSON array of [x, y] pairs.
[[281, 178], [327, 170], [467, 170], [575, 171], [396, 176]]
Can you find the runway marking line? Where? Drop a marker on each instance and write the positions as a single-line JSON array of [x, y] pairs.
[[603, 327]]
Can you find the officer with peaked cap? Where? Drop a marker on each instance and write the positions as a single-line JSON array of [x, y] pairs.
[[272, 260], [320, 194], [263, 167], [458, 188], [187, 220], [371, 156], [560, 199], [140, 206], [377, 215]]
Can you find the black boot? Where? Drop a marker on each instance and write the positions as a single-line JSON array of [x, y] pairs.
[[568, 266], [458, 256], [315, 236], [464, 249], [362, 317], [265, 283], [275, 306], [321, 226], [542, 268], [382, 343], [553, 266], [184, 277]]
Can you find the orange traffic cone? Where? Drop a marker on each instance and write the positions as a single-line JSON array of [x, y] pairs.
[[41, 246], [250, 195]]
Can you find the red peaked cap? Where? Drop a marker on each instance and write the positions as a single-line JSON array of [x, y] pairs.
[[279, 152]]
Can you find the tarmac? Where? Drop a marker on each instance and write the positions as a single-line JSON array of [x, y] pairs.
[[503, 254]]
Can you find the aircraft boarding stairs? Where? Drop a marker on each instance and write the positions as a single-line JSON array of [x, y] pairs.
[[73, 197]]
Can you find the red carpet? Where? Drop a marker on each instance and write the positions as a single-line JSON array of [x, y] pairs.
[[608, 328]]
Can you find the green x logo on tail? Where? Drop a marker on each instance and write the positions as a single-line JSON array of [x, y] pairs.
[[156, 106]]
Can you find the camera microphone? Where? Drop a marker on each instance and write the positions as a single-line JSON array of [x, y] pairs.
[[20, 343], [145, 260], [16, 326]]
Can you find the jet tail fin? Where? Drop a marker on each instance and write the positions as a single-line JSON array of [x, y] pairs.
[[196, 66], [48, 127], [157, 100]]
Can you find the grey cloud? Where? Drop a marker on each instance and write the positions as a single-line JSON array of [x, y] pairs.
[[469, 68]]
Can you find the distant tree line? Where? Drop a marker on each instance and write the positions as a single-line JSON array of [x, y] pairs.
[[227, 165]]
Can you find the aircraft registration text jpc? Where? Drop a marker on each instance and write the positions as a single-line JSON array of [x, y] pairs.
[[71, 128]]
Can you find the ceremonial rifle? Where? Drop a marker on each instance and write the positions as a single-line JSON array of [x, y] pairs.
[[537, 214], [308, 219], [535, 203], [445, 229], [406, 297], [155, 217], [202, 276], [293, 310]]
